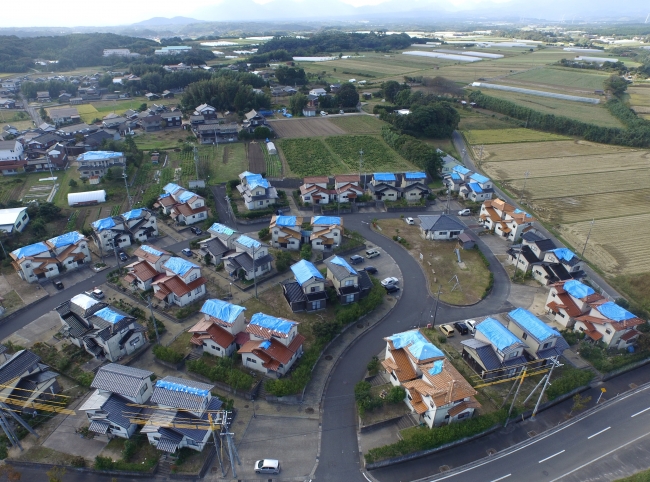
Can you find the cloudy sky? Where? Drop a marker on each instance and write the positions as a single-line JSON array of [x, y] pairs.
[[70, 13]]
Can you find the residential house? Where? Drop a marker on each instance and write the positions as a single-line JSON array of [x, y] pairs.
[[307, 291], [13, 219], [350, 284], [309, 111], [567, 259], [221, 331], [151, 123], [440, 227], [543, 342], [11, 151], [318, 92], [494, 352], [70, 249], [326, 232], [459, 175], [172, 119], [568, 300], [137, 225], [211, 133], [182, 283], [254, 120], [42, 96], [249, 260], [346, 188], [186, 410], [94, 141], [610, 324], [118, 399], [435, 391], [334, 88], [504, 219], [38, 145], [314, 190], [114, 122], [477, 188], [182, 205], [414, 186], [65, 115], [207, 111], [149, 266], [256, 191], [7, 103], [286, 232], [151, 96], [70, 132], [103, 331], [97, 163], [274, 345], [222, 239], [448, 163], [383, 187]]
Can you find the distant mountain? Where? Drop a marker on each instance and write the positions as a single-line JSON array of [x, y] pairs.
[[158, 21]]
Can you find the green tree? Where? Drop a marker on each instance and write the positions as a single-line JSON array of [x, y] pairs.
[[297, 103], [142, 107], [390, 90], [72, 183], [616, 85], [396, 395], [262, 133], [305, 252], [347, 96]]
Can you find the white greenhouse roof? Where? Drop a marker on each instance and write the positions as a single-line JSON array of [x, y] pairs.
[[84, 197]]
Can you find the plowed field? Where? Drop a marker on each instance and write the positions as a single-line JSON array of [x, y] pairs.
[[317, 127]]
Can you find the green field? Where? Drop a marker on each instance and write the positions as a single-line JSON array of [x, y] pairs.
[[575, 78], [377, 156], [273, 163], [364, 124], [309, 157], [506, 136]]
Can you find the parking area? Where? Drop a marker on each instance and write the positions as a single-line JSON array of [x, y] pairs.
[[69, 279]]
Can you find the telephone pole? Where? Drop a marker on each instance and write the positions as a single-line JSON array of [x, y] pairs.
[[435, 312], [126, 185], [526, 174], [548, 379], [361, 165], [582, 255]]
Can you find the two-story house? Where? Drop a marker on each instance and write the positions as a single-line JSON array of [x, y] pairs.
[[435, 391], [477, 188], [221, 331], [119, 396], [286, 232], [256, 191], [207, 111], [249, 260], [504, 219], [221, 241], [13, 219], [253, 120], [326, 232], [494, 352], [610, 324], [135, 226], [314, 190], [172, 119], [458, 177], [346, 188], [350, 285], [11, 150], [65, 115], [184, 414], [306, 292], [182, 205], [531, 255], [182, 283], [568, 300], [97, 163], [211, 132], [543, 342], [34, 262], [414, 186], [448, 163], [440, 227], [70, 250], [143, 273], [274, 345], [566, 258], [383, 187], [103, 331]]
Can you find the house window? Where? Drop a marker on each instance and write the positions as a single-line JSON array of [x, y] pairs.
[[392, 374], [316, 305], [349, 282], [442, 233], [561, 314], [547, 345], [197, 291], [463, 415], [261, 203], [349, 298], [608, 331], [524, 336], [313, 289], [251, 360], [193, 277], [513, 355]]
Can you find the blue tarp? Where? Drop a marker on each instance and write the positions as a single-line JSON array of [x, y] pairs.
[[165, 194], [533, 325], [497, 334], [415, 175], [614, 312], [98, 155], [326, 220], [437, 367], [248, 242], [384, 176], [66, 239], [221, 229], [222, 310], [150, 250], [563, 254], [416, 343], [479, 178], [255, 180], [461, 170], [303, 271], [475, 187], [455, 177], [102, 224], [285, 220], [171, 188], [177, 387], [132, 214], [341, 262], [109, 315], [31, 250], [178, 265], [577, 289], [519, 211], [272, 323], [186, 196], [265, 344]]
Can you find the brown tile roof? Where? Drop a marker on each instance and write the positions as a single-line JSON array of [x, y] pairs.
[[275, 354], [304, 189], [201, 327], [242, 337], [421, 386], [220, 336], [174, 284], [591, 331], [629, 335], [449, 383], [501, 205], [492, 214], [144, 271], [346, 178], [348, 187], [267, 333], [316, 179], [166, 201], [404, 371], [567, 303], [187, 210], [146, 255], [616, 325], [462, 406]]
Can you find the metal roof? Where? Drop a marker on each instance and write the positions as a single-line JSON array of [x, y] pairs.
[[11, 215], [440, 222], [303, 271], [120, 379], [497, 334], [533, 325], [180, 393]]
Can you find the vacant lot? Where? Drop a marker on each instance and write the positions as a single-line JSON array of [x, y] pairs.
[[256, 158], [316, 127], [505, 136], [359, 124]]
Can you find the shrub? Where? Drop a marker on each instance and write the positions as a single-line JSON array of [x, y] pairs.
[[264, 233], [305, 252], [283, 261], [167, 354], [222, 371], [396, 395], [373, 366], [570, 379]]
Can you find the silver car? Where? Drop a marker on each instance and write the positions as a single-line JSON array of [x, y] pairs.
[[267, 466]]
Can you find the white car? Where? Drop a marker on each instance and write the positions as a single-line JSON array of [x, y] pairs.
[[409, 221], [465, 212], [391, 280], [267, 466], [471, 324]]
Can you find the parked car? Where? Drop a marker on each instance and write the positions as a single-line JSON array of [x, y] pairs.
[[410, 221], [356, 259], [372, 253], [187, 252], [461, 328], [471, 326], [447, 330], [323, 113], [123, 256], [341, 112], [391, 289], [391, 280], [465, 212], [196, 231], [370, 269], [57, 284], [267, 466], [96, 293]]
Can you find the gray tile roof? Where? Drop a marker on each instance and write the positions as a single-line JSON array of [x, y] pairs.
[[119, 411], [440, 222], [485, 353], [120, 379], [17, 365], [178, 399]]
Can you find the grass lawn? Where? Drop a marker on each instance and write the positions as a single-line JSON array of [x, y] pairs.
[[230, 160], [189, 461], [440, 264], [166, 139], [643, 476], [38, 453], [182, 343], [12, 302]]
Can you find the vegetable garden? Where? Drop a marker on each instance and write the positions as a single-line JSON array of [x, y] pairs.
[[377, 155], [309, 157]]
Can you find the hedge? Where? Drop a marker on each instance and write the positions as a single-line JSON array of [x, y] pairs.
[[221, 372], [571, 378], [167, 354]]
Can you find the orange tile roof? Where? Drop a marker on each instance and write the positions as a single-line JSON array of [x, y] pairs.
[[201, 327], [402, 366], [316, 179], [146, 255], [166, 201], [501, 205], [266, 333], [143, 271], [629, 335], [275, 354], [187, 210], [176, 285], [567, 304], [346, 178], [129, 278], [462, 406], [449, 382], [220, 336], [492, 214]]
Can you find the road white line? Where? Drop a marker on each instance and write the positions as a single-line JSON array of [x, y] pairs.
[[501, 478], [639, 413], [554, 455], [598, 433], [602, 456], [366, 477]]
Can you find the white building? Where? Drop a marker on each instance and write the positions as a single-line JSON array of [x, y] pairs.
[[137, 225], [182, 205], [97, 163], [256, 191], [182, 283], [13, 219], [221, 331], [11, 151]]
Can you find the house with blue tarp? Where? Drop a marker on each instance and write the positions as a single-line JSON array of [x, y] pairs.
[[221, 331], [306, 291], [249, 260], [543, 341], [570, 299], [504, 219], [184, 206], [221, 241], [448, 163], [567, 258], [286, 232], [384, 187], [326, 233], [436, 393], [135, 226], [413, 186], [148, 268], [350, 285], [274, 345], [181, 284], [97, 163], [611, 324], [256, 191]]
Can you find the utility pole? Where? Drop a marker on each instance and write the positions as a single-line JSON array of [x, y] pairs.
[[514, 399], [582, 255], [126, 184], [116, 257], [255, 271], [526, 174], [448, 200], [435, 312], [153, 318], [196, 158], [548, 379], [361, 166]]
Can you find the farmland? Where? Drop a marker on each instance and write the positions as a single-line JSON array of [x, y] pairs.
[[512, 152], [305, 128], [309, 157], [273, 163], [359, 124], [571, 78], [505, 136], [256, 161], [377, 156]]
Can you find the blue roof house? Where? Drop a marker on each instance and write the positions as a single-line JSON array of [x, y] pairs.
[[306, 292], [97, 163], [383, 186], [477, 188], [256, 191], [220, 331], [251, 259], [543, 341]]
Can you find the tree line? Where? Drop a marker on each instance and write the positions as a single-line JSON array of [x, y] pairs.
[[54, 87], [227, 90], [413, 150]]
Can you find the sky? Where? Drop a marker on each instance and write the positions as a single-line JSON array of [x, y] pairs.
[[71, 13]]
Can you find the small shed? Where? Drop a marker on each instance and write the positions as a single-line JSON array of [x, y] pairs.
[[465, 241], [86, 198], [271, 148]]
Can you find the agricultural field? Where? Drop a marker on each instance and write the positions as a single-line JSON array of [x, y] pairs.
[[544, 150], [583, 80], [639, 99], [88, 113], [309, 157], [304, 127], [272, 162], [166, 139], [506, 136], [359, 124], [377, 156], [256, 161], [475, 120]]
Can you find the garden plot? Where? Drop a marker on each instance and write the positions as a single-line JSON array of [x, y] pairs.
[[38, 192], [359, 124], [305, 128], [543, 150], [377, 155], [309, 157]]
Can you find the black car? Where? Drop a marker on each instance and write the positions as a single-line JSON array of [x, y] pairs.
[[123, 256], [57, 284], [196, 231], [370, 269], [356, 259], [391, 289], [461, 328]]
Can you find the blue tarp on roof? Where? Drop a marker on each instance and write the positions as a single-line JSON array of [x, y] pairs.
[[341, 262], [165, 194], [178, 265], [31, 250], [132, 214], [415, 175], [98, 155], [533, 325], [222, 310], [102, 224], [177, 387], [221, 229], [614, 312], [497, 334], [150, 250], [416, 343], [437, 367], [265, 344], [479, 178], [303, 271], [519, 211], [186, 196], [326, 220], [248, 242], [255, 180], [272, 323], [66, 239], [285, 220], [563, 254], [384, 176], [455, 177], [578, 290], [171, 188], [475, 187], [461, 169], [109, 315]]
